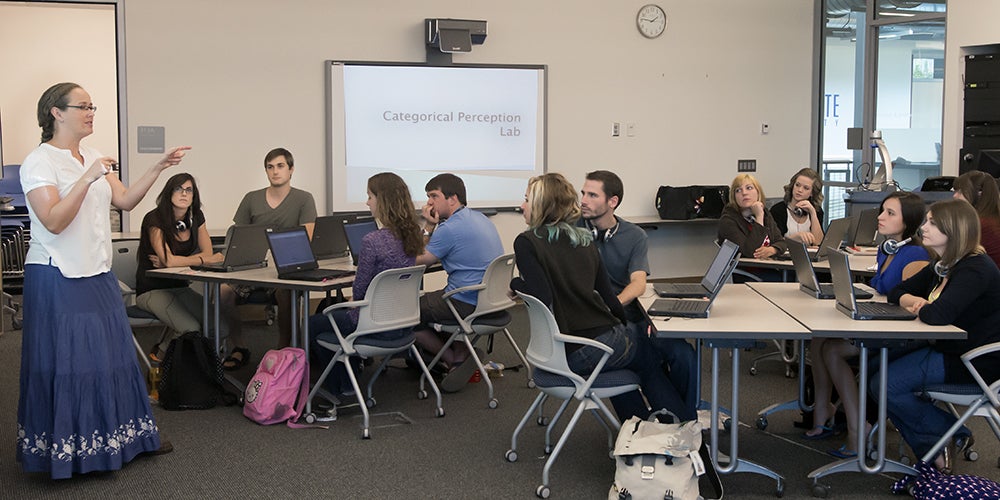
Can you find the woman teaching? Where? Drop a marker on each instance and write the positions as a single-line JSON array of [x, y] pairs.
[[83, 405]]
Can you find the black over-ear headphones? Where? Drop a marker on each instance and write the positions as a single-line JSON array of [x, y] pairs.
[[940, 269], [183, 225]]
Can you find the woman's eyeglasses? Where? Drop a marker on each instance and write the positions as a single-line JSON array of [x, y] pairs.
[[185, 190], [89, 107]]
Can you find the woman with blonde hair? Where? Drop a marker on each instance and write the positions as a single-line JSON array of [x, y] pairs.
[[561, 267], [744, 221], [961, 287]]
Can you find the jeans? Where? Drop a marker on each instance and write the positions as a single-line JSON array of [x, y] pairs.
[[678, 356], [919, 421], [634, 352]]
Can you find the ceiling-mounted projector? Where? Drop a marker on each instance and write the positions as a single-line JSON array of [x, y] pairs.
[[454, 35]]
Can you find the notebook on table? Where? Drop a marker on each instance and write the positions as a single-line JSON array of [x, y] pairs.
[[693, 308], [294, 259], [834, 238], [847, 303], [713, 276], [246, 248], [808, 282], [329, 240], [355, 233]]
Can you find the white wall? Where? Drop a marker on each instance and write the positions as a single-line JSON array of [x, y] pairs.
[[970, 23], [236, 78], [44, 44]]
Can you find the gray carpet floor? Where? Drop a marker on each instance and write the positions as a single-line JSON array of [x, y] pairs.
[[220, 454]]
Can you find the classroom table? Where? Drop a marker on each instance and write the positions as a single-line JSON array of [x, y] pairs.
[[264, 277], [861, 265], [823, 319], [730, 325]]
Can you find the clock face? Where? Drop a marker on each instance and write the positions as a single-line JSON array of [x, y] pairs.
[[651, 21]]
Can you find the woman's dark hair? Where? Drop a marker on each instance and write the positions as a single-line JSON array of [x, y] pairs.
[[394, 209], [164, 220], [57, 96], [980, 190], [816, 198], [913, 209]]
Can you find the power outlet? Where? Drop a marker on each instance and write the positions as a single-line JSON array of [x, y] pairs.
[[746, 165], [616, 129]]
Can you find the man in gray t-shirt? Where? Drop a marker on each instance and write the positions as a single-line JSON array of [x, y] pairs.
[[624, 252], [279, 206]]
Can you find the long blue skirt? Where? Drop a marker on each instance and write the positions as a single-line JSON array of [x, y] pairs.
[[83, 405]]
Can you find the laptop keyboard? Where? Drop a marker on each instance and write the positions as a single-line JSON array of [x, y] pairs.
[[663, 288], [685, 305], [880, 309]]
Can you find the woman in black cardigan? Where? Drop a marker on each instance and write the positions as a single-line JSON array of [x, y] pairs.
[[799, 216], [961, 287]]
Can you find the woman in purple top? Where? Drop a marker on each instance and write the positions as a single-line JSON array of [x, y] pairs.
[[395, 245]]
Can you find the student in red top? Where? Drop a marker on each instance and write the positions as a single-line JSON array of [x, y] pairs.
[[980, 190]]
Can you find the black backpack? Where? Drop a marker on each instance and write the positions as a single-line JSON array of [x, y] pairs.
[[191, 374]]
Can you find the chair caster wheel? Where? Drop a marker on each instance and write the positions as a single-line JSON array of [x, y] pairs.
[[789, 373], [310, 418], [780, 491], [971, 455], [366, 434], [370, 402], [753, 370], [542, 421], [494, 403], [422, 395], [727, 424], [762, 422], [542, 491], [511, 456], [439, 412], [531, 383], [905, 460], [820, 490], [548, 449]]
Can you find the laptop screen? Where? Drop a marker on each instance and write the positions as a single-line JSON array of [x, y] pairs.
[[803, 266], [328, 239], [717, 271], [867, 230], [290, 249], [355, 232], [835, 235], [843, 286]]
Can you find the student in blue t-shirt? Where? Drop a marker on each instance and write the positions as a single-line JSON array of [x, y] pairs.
[[465, 242]]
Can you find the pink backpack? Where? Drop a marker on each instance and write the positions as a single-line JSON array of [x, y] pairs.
[[282, 378]]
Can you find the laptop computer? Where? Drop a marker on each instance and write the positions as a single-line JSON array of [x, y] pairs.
[[843, 289], [806, 275], [692, 308], [246, 248], [866, 231], [329, 240], [834, 237], [294, 259], [355, 232], [712, 276]]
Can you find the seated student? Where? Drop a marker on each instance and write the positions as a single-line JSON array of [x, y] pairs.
[[899, 218], [465, 242], [960, 288], [174, 234], [980, 190], [561, 267], [799, 216], [745, 222], [396, 244]]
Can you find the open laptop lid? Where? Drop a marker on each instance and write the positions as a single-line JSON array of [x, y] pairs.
[[866, 233], [245, 245], [329, 240], [717, 270], [355, 233], [803, 266], [834, 238], [843, 283], [290, 250]]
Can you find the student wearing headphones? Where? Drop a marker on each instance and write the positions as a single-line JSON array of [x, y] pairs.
[[174, 234], [980, 190], [799, 216], [623, 249], [960, 288]]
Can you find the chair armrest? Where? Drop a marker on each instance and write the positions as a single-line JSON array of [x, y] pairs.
[[989, 390], [979, 351], [471, 288], [573, 339]]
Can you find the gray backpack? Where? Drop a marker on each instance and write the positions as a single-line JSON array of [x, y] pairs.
[[655, 460]]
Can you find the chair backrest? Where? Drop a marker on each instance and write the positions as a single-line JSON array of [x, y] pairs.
[[545, 351], [11, 181], [393, 301], [494, 296], [124, 261]]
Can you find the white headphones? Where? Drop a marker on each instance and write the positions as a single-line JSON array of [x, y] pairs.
[[608, 233], [940, 269]]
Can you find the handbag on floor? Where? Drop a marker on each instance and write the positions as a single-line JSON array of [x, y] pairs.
[[656, 460]]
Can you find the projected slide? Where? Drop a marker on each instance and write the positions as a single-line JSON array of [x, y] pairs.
[[485, 124]]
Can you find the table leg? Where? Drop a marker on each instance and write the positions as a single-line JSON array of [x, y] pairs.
[[795, 404], [860, 463]]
